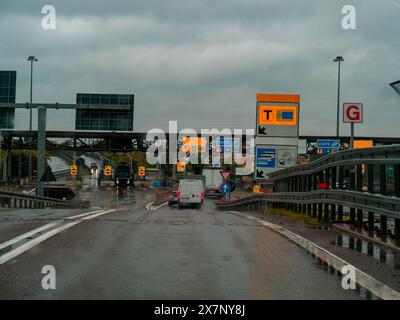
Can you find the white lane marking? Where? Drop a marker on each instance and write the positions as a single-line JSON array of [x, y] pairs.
[[37, 230], [26, 235], [148, 205], [98, 214], [30, 244], [162, 205], [83, 214]]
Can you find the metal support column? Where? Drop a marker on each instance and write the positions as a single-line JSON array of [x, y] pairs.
[[382, 179], [397, 228], [41, 148], [383, 224], [396, 176]]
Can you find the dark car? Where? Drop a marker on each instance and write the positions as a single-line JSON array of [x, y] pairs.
[[173, 198], [213, 191]]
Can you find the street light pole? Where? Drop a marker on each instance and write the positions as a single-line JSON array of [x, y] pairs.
[[338, 59], [31, 59]]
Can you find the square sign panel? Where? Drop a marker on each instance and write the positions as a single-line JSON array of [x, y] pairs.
[[352, 112], [277, 115], [272, 158]]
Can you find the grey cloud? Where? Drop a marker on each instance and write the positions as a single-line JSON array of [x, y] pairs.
[[202, 62]]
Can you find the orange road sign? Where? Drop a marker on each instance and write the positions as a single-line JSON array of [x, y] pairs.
[[193, 144], [363, 144], [181, 166], [277, 115]]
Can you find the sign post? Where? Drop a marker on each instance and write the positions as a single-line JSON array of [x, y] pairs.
[[277, 133], [226, 187], [328, 146], [352, 113]]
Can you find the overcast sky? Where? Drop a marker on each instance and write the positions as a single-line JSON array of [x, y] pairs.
[[202, 62]]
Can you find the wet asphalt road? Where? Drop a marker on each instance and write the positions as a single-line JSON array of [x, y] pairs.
[[133, 253]]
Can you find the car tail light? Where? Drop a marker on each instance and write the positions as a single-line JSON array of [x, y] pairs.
[[178, 194], [202, 195]]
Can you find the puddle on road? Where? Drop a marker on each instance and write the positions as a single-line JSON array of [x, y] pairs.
[[386, 256], [361, 291]]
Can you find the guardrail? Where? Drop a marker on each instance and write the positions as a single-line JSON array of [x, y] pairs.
[[362, 180], [21, 200]]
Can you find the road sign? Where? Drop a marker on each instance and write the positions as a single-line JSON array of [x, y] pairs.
[[226, 187], [193, 144], [107, 171], [181, 166], [74, 169], [277, 115], [328, 144], [225, 175], [363, 144], [141, 171], [352, 112], [227, 145], [271, 158]]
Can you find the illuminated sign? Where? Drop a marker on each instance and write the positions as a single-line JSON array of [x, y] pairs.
[[107, 170], [181, 166], [141, 171], [193, 144], [74, 169], [277, 115]]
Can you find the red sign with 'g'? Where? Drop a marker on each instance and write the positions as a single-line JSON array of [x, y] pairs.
[[353, 112]]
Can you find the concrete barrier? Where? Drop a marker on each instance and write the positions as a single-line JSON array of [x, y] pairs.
[[364, 280]]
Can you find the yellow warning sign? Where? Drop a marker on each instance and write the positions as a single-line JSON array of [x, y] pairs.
[[74, 170], [107, 170], [277, 115], [181, 166], [141, 171]]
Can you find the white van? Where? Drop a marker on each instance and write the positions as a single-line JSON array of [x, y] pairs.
[[190, 192]]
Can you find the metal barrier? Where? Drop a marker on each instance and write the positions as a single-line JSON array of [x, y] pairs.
[[362, 180], [21, 200]]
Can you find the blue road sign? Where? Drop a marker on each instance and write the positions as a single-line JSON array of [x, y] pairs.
[[328, 144], [266, 158], [227, 144], [226, 187]]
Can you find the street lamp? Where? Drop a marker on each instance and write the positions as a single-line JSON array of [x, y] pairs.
[[31, 59], [338, 59], [396, 86]]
